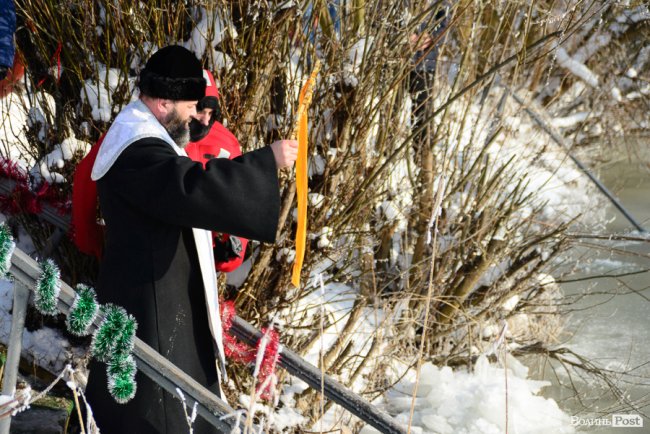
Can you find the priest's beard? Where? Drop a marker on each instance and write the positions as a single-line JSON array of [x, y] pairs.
[[177, 128]]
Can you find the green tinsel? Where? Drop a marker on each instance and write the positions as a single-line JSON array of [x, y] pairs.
[[121, 364], [83, 311], [122, 386], [7, 246], [124, 342], [103, 342], [47, 288], [112, 344]]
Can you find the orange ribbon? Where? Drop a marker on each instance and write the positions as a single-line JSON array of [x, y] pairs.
[[301, 173]]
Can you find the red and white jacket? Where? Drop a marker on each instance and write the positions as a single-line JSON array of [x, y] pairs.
[[219, 143]]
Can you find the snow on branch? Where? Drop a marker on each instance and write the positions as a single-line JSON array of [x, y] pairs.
[[576, 68], [641, 61]]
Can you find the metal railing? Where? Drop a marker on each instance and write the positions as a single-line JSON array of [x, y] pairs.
[[558, 139]]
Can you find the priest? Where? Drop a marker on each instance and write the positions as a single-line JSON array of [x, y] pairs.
[[159, 208]]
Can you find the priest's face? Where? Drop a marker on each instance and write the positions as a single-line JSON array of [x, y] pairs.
[[177, 121]]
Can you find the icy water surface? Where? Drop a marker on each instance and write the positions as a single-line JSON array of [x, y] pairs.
[[614, 331]]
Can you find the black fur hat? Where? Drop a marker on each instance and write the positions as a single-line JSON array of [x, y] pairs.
[[173, 72]]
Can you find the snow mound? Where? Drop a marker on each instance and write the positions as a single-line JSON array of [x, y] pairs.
[[98, 92], [459, 402]]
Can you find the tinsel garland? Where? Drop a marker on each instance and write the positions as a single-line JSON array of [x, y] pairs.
[[242, 353], [47, 288], [121, 364], [124, 342], [121, 378], [270, 359], [26, 199], [104, 339], [7, 246], [112, 343], [122, 387], [83, 311]]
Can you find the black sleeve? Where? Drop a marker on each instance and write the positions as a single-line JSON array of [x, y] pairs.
[[239, 196]]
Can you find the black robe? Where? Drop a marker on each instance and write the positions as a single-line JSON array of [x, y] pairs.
[[150, 200]]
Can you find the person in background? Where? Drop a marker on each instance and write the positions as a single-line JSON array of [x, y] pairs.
[[426, 45], [7, 30], [211, 139]]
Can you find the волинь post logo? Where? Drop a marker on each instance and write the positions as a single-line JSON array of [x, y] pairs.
[[615, 421]]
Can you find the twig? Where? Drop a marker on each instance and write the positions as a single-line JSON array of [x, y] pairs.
[[76, 403], [321, 401], [435, 212], [188, 418]]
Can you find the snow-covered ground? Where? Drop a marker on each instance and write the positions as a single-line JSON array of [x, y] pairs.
[[447, 401], [485, 401]]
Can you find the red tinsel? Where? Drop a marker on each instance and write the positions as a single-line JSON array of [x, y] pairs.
[[11, 170], [20, 199], [23, 198], [240, 352]]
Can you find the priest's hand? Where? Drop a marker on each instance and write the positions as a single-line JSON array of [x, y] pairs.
[[285, 152]]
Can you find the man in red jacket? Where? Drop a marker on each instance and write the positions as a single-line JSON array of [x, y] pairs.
[[210, 139]]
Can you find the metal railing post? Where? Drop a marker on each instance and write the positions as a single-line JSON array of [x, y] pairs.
[[19, 312]]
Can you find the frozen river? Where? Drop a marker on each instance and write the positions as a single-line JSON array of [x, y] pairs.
[[614, 328]]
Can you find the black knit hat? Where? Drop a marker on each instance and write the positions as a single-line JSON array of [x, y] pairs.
[[173, 72]]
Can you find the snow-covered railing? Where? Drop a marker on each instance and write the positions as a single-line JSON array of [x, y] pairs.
[[160, 370]]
